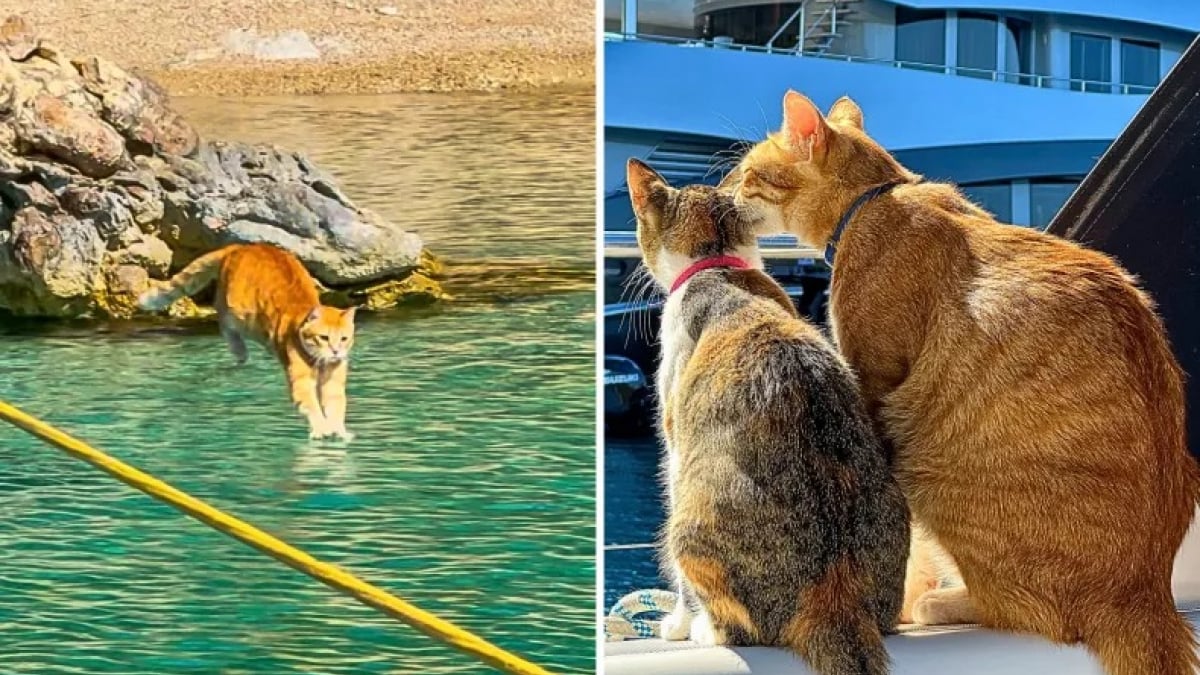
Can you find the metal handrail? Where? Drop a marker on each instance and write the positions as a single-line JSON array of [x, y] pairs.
[[832, 26], [1002, 76], [798, 13]]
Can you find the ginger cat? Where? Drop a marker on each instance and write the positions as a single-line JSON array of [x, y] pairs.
[[1026, 386], [784, 522], [265, 294]]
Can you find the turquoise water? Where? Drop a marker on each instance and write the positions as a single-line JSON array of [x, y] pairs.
[[469, 489]]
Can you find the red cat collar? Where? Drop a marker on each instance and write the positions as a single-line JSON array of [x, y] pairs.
[[708, 263]]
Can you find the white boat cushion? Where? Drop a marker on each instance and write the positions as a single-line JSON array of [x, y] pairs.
[[1185, 579], [950, 650]]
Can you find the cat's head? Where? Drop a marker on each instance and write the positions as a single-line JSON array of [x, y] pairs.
[[802, 177], [677, 227], [327, 333]]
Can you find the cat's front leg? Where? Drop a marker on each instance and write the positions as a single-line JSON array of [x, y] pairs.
[[678, 624], [921, 573], [705, 632], [331, 384], [302, 382]]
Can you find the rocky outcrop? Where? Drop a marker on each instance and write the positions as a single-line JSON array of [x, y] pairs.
[[104, 187]]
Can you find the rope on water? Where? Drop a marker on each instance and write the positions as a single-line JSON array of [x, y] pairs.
[[627, 620], [433, 626]]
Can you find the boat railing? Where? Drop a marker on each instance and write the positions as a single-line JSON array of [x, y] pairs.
[[1000, 76], [623, 244], [336, 578]]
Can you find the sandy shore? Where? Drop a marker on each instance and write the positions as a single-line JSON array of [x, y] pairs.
[[232, 47]]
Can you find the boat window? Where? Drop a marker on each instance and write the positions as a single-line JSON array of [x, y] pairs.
[[977, 41], [1140, 65], [1091, 62], [1046, 197], [921, 38], [755, 25], [1018, 50], [664, 18], [995, 198], [612, 16]]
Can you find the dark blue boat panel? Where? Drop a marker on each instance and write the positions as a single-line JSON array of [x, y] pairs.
[[1141, 204]]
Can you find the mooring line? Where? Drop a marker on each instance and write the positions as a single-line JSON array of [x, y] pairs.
[[628, 547], [328, 574]]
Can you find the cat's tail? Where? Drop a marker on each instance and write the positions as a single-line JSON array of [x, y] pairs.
[[835, 632], [853, 647], [1143, 640], [190, 280]]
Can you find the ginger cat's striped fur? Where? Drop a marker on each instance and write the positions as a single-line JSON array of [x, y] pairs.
[[783, 522], [265, 294], [1034, 406]]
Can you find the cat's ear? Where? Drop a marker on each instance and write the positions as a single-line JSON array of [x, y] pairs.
[[313, 314], [846, 111], [647, 190], [804, 128], [348, 314]]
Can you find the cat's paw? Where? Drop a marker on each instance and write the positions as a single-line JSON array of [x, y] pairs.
[[945, 606], [319, 430], [343, 435], [704, 633], [914, 590], [676, 625]]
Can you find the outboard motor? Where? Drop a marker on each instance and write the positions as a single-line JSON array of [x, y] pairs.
[[628, 396]]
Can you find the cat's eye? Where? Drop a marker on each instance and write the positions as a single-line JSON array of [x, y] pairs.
[[324, 337], [344, 338], [774, 180]]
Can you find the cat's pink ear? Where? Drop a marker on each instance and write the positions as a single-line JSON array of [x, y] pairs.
[[313, 314], [804, 127], [647, 190], [846, 111], [348, 314]]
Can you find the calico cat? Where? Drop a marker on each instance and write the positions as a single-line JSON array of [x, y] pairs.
[[265, 294], [784, 522], [1024, 383]]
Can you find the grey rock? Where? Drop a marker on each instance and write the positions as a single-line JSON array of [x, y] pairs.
[[103, 186], [288, 45], [137, 108]]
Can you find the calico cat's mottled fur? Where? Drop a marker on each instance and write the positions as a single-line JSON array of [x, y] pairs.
[[265, 294], [1025, 383], [784, 521]]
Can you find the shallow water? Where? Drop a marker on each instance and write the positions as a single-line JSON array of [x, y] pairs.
[[503, 176], [468, 491]]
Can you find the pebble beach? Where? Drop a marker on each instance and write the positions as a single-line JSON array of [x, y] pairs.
[[279, 47]]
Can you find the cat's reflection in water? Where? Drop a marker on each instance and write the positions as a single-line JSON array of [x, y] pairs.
[[328, 466]]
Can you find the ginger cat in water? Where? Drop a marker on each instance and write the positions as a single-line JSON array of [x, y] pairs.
[[1024, 383], [265, 294], [784, 521]]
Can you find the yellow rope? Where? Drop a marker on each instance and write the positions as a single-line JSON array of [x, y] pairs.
[[327, 574]]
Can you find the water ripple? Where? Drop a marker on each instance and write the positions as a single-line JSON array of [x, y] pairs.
[[469, 490]]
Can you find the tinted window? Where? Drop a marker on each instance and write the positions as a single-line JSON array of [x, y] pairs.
[[754, 25], [1091, 62], [995, 198], [976, 45], [1018, 49], [921, 38], [1139, 65], [1046, 198]]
